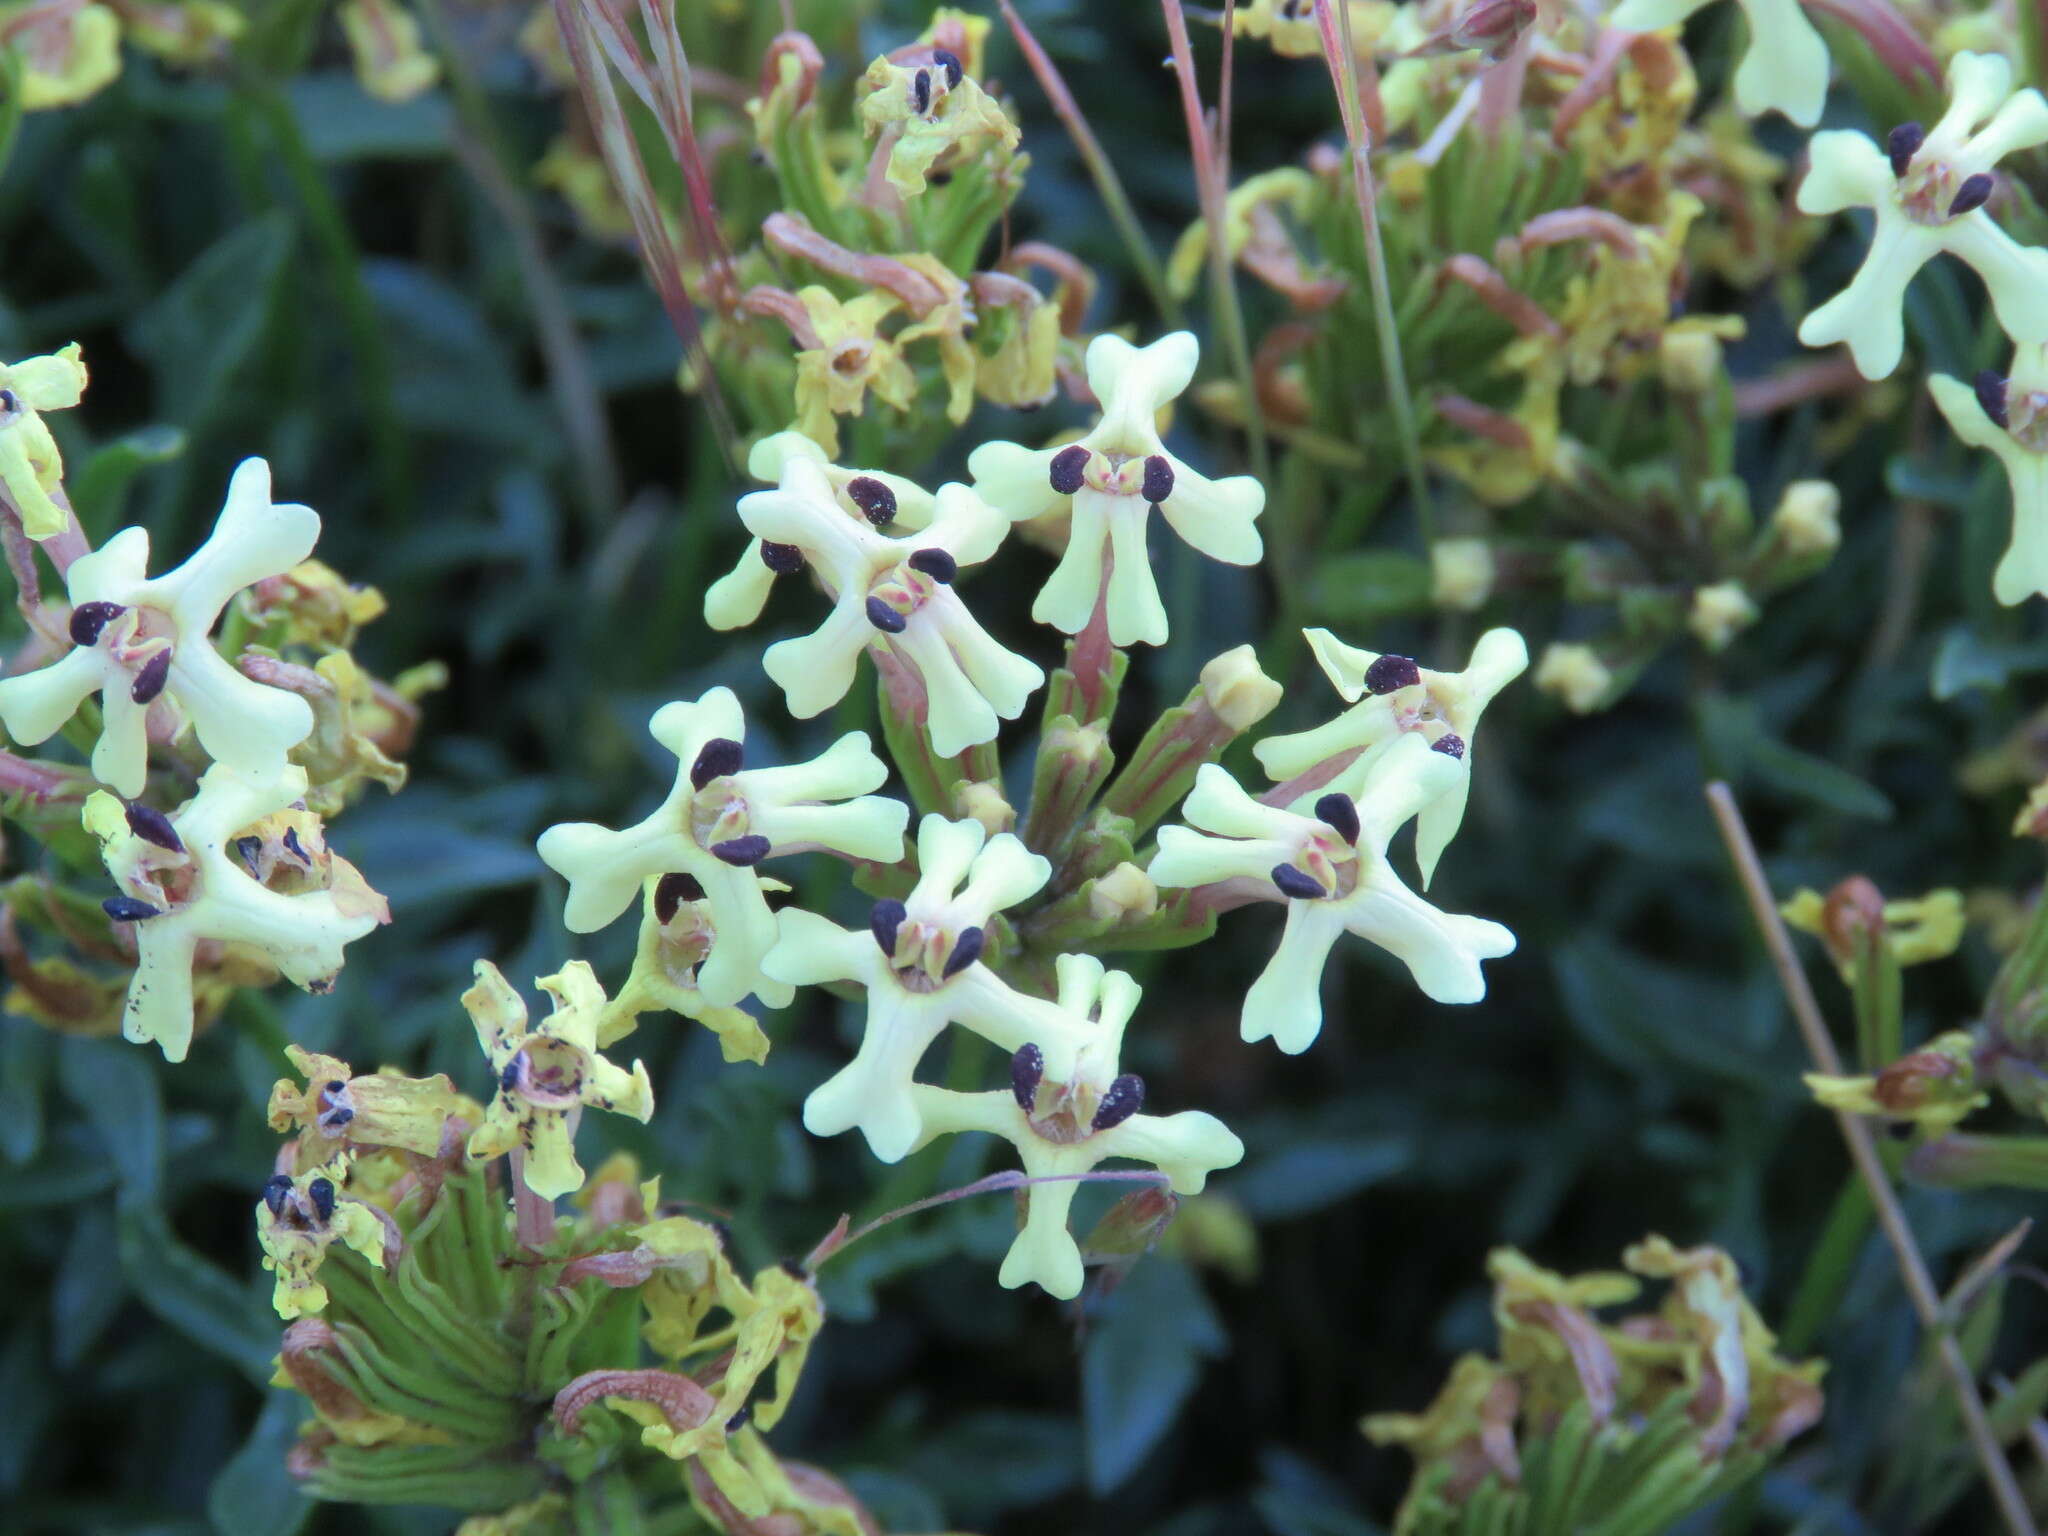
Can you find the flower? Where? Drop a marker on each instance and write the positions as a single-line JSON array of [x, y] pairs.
[[336, 1110], [1063, 1126], [842, 357], [298, 1220], [1808, 517], [1935, 1087], [1331, 870], [140, 643], [920, 961], [1462, 573], [1719, 613], [1927, 189], [547, 1073], [895, 594], [1574, 674], [391, 61], [931, 107], [720, 820], [1394, 696], [30, 465], [2010, 417], [291, 901], [68, 52], [1784, 69], [676, 933], [735, 600], [1915, 930], [1113, 478]]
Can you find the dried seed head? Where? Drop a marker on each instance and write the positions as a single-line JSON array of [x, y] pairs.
[[149, 682], [1124, 1098], [153, 826], [741, 852], [1451, 744], [1158, 479], [1990, 388], [719, 756], [321, 1193], [1341, 813], [88, 619], [276, 1190], [950, 63], [885, 618], [1027, 1071], [884, 919], [966, 950], [782, 559], [876, 501], [1973, 194], [1297, 884], [1902, 144], [126, 909], [670, 892], [937, 564], [1389, 674], [1067, 468]]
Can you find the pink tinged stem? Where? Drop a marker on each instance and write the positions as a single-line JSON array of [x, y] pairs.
[[1891, 37], [533, 1215]]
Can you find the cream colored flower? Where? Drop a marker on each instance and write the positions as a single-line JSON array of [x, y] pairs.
[[1719, 613], [1331, 870], [1575, 675], [920, 961], [185, 880], [2010, 417], [1462, 573], [677, 930], [1114, 478], [547, 1073], [30, 465], [1808, 517], [893, 593], [1927, 190], [141, 642], [1785, 67], [1395, 697], [719, 821], [1062, 1127]]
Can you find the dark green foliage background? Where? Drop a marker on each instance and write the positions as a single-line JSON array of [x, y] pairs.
[[281, 266]]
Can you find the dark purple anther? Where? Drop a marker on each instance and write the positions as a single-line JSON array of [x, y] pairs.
[[9, 402], [1340, 812], [1297, 884], [149, 682], [509, 1078], [1388, 674], [276, 1190], [885, 618], [126, 909], [321, 1193], [1902, 144], [1990, 387], [88, 619], [782, 559], [250, 849], [153, 826], [1027, 1070], [1158, 479], [1125, 1097], [295, 848], [950, 63], [670, 892], [884, 918], [937, 564], [921, 91], [738, 1421], [966, 950], [1067, 469], [741, 852], [876, 501], [1451, 744], [718, 757], [1973, 194]]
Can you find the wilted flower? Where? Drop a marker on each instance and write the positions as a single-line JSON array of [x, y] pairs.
[[927, 109], [336, 1110], [719, 822], [2010, 417], [896, 594], [1063, 1126], [547, 1073], [1394, 697], [30, 465], [1915, 930], [1785, 67], [68, 52], [1113, 478], [841, 355], [677, 928], [186, 879], [140, 642], [1935, 1087], [920, 961], [298, 1220], [1331, 870], [1927, 189]]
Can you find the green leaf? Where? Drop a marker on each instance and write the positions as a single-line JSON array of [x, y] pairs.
[[1368, 586], [88, 1290], [25, 1053], [1309, 1175], [341, 121], [115, 1086], [194, 1295], [1965, 660], [253, 1495], [99, 486], [1141, 1364], [204, 327]]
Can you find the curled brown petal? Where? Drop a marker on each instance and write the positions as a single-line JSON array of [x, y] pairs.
[[1485, 281], [682, 1402], [1563, 225], [806, 51], [1483, 421], [792, 236], [1075, 288], [781, 304]]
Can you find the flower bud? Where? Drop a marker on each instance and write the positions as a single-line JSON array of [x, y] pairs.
[[1808, 518], [1462, 572], [983, 801], [1575, 675], [1125, 892], [1689, 362], [1720, 613], [1236, 691]]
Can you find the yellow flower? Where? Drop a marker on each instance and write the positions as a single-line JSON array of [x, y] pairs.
[[934, 110], [391, 61], [336, 1110], [1576, 675], [30, 465], [1935, 1087], [298, 1220], [677, 930], [68, 52], [850, 358]]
